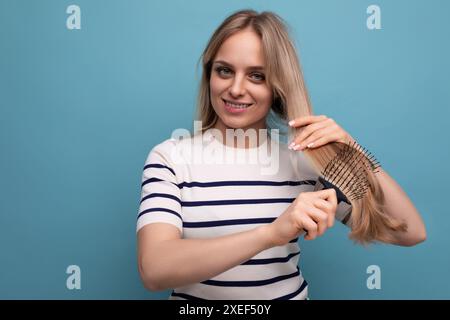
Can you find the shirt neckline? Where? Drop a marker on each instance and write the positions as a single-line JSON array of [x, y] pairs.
[[210, 137]]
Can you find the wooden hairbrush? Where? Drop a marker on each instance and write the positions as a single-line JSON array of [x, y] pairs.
[[350, 183], [352, 180]]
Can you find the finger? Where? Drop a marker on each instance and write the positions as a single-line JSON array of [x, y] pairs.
[[321, 219], [319, 142], [322, 204], [319, 138], [328, 208], [311, 228], [302, 121], [307, 132], [328, 195]]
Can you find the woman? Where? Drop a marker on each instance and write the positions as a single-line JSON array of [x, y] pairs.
[[230, 230]]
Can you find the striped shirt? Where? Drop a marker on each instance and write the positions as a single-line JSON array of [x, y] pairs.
[[205, 196]]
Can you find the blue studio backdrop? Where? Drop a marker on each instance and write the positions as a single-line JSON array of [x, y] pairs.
[[84, 98]]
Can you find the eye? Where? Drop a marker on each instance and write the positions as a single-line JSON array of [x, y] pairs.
[[223, 71], [258, 76]]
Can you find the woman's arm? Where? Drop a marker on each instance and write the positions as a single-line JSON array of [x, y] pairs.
[[166, 261], [399, 206], [320, 130]]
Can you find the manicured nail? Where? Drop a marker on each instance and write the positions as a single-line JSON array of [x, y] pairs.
[[291, 123], [310, 145], [291, 145], [296, 147]]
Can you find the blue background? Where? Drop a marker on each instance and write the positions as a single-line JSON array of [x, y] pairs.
[[81, 109]]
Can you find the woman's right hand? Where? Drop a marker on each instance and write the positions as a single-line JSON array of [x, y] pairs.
[[312, 212]]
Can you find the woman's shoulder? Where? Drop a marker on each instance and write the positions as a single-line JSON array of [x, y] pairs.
[[164, 146], [170, 150], [162, 150]]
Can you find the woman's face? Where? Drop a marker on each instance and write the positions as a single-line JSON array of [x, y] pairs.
[[239, 93]]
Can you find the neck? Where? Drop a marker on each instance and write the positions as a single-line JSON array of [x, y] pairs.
[[248, 137]]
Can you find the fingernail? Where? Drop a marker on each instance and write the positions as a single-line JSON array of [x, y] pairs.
[[310, 145], [296, 147], [291, 123], [291, 145]]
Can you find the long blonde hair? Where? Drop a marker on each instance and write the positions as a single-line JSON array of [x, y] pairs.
[[368, 220]]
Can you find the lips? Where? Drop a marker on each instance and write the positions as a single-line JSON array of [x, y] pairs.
[[236, 105], [235, 109]]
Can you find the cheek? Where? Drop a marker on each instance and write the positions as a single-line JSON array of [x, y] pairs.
[[264, 96], [216, 85]]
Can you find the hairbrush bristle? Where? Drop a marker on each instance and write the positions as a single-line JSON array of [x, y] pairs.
[[351, 180]]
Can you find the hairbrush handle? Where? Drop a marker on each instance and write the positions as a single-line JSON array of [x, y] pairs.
[[322, 184]]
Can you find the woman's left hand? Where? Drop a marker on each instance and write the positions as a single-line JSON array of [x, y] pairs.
[[318, 131]]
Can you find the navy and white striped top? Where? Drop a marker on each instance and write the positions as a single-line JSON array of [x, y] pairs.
[[208, 194]]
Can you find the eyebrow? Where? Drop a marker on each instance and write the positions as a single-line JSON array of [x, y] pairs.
[[230, 65]]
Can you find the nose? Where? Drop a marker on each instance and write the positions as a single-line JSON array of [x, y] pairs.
[[237, 87]]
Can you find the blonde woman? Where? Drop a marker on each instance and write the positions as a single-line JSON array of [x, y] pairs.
[[229, 230]]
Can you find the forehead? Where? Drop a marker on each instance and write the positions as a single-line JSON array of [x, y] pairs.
[[242, 49]]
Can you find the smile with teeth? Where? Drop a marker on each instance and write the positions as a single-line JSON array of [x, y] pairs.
[[236, 106]]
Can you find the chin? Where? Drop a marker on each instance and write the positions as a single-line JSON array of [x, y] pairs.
[[236, 124]]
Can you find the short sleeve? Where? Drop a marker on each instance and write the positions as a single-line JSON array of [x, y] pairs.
[[160, 195]]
